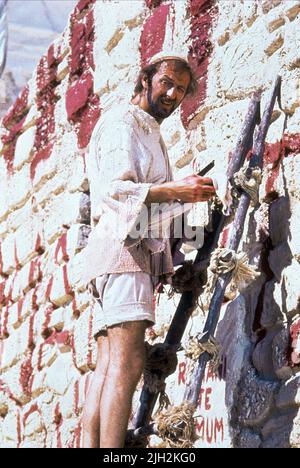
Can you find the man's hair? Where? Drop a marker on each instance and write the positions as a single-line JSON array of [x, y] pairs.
[[151, 70]]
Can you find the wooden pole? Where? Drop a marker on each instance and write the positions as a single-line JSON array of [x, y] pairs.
[[193, 389]]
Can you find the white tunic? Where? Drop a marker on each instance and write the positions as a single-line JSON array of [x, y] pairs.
[[127, 155]]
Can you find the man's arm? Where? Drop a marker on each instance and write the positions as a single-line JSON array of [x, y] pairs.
[[191, 189]]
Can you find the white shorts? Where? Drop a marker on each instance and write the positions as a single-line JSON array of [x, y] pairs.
[[120, 298]]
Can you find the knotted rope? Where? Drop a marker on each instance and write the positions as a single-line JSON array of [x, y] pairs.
[[161, 361], [195, 349], [251, 184], [176, 426], [225, 261]]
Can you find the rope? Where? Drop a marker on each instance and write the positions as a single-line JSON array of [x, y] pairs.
[[225, 261], [250, 185], [161, 361], [176, 426], [195, 349]]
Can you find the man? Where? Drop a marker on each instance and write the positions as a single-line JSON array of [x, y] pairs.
[[131, 170]]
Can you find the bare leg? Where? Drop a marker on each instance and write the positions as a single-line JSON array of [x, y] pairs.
[[126, 364], [91, 412]]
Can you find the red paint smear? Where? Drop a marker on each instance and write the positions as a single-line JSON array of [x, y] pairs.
[[41, 155], [46, 75], [78, 41], [224, 237], [19, 429], [82, 44], [4, 389], [58, 420], [295, 335], [59, 338], [197, 6], [4, 332], [153, 3], [76, 311], [78, 93], [38, 244], [18, 109], [153, 33], [45, 326], [61, 245], [26, 375], [87, 121], [83, 107], [274, 154], [32, 409], [66, 282], [89, 46], [34, 265], [202, 15], [14, 132], [10, 142], [84, 154], [83, 4], [46, 101], [20, 307], [51, 60], [272, 157], [2, 295], [49, 288]]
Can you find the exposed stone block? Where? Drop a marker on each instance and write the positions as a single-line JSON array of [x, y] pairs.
[[248, 439], [262, 356], [271, 313], [280, 354], [289, 394], [256, 400], [280, 258], [276, 432], [280, 212]]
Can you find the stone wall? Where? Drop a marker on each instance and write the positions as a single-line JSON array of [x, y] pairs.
[[47, 353]]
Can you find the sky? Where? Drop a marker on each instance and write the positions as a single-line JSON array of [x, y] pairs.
[[33, 25]]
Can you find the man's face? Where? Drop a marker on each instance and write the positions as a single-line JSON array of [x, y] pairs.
[[167, 90]]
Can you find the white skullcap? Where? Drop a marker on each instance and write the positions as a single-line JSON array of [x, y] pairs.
[[167, 55]]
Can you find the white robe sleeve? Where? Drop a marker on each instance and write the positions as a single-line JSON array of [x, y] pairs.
[[114, 176]]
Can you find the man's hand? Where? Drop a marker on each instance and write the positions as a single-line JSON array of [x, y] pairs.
[[191, 189], [194, 189]]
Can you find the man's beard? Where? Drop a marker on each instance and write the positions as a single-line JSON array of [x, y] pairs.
[[157, 111]]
